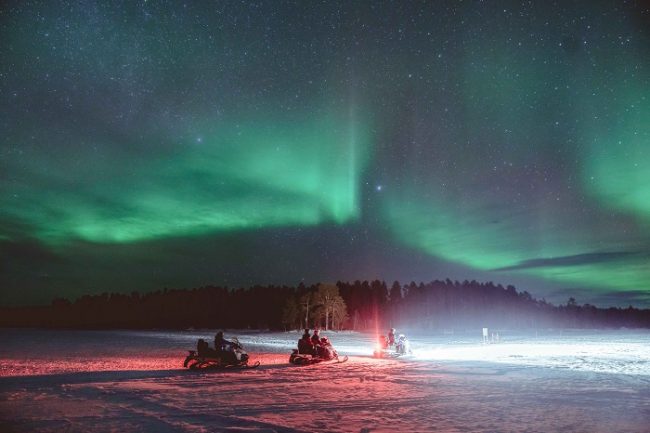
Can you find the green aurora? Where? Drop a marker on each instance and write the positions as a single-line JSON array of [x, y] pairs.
[[245, 176], [488, 237]]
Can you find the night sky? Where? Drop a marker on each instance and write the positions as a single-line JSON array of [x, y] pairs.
[[152, 144]]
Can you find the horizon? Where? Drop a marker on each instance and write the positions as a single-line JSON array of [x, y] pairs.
[[146, 146], [404, 286]]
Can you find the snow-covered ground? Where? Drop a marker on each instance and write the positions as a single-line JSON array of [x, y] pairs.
[[123, 381]]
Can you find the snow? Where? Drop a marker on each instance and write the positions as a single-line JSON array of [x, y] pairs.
[[123, 381]]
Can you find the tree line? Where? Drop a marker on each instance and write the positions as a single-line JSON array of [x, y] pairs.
[[358, 305]]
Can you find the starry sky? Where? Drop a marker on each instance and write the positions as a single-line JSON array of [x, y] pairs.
[[151, 144]]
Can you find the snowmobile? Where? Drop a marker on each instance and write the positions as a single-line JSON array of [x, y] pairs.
[[401, 347], [308, 359], [234, 357], [323, 353]]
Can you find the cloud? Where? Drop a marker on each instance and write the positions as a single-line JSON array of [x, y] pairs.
[[605, 299], [574, 260]]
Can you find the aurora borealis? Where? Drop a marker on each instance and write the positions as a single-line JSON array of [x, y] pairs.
[[236, 177], [157, 144]]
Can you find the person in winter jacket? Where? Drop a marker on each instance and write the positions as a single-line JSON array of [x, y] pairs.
[[391, 337], [305, 345], [315, 339]]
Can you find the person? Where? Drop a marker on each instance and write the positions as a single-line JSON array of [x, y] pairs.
[[391, 337], [403, 346], [202, 348], [315, 339], [221, 344], [325, 349], [305, 346], [224, 349]]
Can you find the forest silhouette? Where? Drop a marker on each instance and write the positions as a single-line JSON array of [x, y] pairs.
[[359, 305]]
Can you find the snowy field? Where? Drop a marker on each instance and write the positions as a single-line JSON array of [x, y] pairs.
[[129, 381]]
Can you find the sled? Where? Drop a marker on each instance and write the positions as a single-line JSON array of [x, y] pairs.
[[307, 359], [195, 362]]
